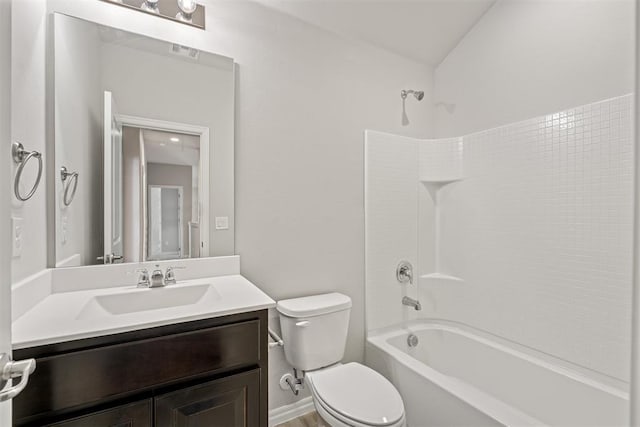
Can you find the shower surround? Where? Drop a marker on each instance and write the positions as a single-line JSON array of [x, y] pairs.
[[523, 231]]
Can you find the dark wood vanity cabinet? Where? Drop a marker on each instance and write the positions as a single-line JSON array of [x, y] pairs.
[[208, 373]]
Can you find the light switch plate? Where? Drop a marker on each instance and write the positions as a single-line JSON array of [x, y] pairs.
[[63, 227], [222, 223], [16, 236]]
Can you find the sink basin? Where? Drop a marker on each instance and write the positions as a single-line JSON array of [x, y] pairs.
[[138, 300]]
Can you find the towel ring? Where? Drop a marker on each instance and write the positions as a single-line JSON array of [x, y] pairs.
[[72, 177], [21, 157]]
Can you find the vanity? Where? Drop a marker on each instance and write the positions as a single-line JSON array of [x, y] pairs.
[[192, 353], [208, 372]]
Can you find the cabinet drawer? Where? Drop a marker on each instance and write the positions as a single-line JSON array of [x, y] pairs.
[[138, 414], [80, 378], [227, 402]]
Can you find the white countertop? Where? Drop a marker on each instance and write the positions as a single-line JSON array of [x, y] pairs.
[[66, 316]]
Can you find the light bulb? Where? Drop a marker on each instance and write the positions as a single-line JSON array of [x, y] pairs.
[[187, 6]]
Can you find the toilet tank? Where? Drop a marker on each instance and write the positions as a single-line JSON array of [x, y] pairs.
[[314, 329]]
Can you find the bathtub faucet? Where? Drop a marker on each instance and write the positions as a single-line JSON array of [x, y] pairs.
[[412, 303]]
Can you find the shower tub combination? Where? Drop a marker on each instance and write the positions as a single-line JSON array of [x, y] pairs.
[[459, 376]]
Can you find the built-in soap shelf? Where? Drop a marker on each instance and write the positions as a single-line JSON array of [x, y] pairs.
[[433, 184], [441, 278], [440, 181], [441, 163]]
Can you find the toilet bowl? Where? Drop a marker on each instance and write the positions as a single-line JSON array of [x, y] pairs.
[[355, 395], [314, 331]]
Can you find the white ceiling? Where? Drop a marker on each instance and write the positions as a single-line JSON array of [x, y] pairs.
[[160, 149], [423, 30]]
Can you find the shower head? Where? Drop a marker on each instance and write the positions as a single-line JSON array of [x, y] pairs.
[[418, 94]]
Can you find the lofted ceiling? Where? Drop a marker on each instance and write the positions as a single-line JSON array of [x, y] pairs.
[[423, 30]]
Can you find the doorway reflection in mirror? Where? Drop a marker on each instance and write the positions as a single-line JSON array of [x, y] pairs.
[[161, 203]]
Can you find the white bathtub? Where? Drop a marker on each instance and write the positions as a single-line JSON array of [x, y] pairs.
[[459, 376]]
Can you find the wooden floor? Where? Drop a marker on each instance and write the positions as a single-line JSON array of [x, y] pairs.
[[312, 419]]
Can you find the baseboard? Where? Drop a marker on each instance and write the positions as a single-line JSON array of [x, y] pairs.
[[289, 412]]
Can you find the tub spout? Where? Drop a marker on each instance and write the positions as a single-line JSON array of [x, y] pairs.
[[412, 303]]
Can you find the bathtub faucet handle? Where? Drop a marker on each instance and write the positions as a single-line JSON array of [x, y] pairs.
[[404, 272]]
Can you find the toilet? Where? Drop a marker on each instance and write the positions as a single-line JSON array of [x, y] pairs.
[[314, 330]]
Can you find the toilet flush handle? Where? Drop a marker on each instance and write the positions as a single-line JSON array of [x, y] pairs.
[[303, 324]]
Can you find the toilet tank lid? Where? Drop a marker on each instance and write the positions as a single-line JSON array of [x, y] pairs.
[[314, 305]]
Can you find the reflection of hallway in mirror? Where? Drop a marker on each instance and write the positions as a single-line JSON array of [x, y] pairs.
[[161, 172]]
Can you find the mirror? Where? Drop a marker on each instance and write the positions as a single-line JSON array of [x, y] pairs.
[[137, 121]]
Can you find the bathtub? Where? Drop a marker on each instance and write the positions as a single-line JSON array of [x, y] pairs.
[[459, 376]]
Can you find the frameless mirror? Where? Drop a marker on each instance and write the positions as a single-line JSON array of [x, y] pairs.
[[137, 123]]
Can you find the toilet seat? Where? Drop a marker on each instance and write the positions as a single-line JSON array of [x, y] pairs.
[[356, 395], [335, 419]]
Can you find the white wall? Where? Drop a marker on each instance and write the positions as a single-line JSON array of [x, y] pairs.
[[78, 134], [303, 100], [527, 58], [28, 126], [5, 179]]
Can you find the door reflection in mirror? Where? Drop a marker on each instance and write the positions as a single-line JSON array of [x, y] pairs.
[[113, 186]]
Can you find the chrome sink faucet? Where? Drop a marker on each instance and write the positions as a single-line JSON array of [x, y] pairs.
[[412, 303], [157, 278]]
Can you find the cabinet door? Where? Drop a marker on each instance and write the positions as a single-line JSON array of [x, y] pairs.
[[228, 402], [136, 414]]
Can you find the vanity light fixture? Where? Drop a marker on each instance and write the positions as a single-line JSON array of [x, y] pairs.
[[174, 139], [187, 12]]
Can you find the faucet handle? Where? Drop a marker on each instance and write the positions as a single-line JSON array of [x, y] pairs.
[[404, 272], [143, 277], [170, 275]]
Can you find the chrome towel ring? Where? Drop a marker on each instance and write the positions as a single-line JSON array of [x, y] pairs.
[[21, 157], [67, 179]]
